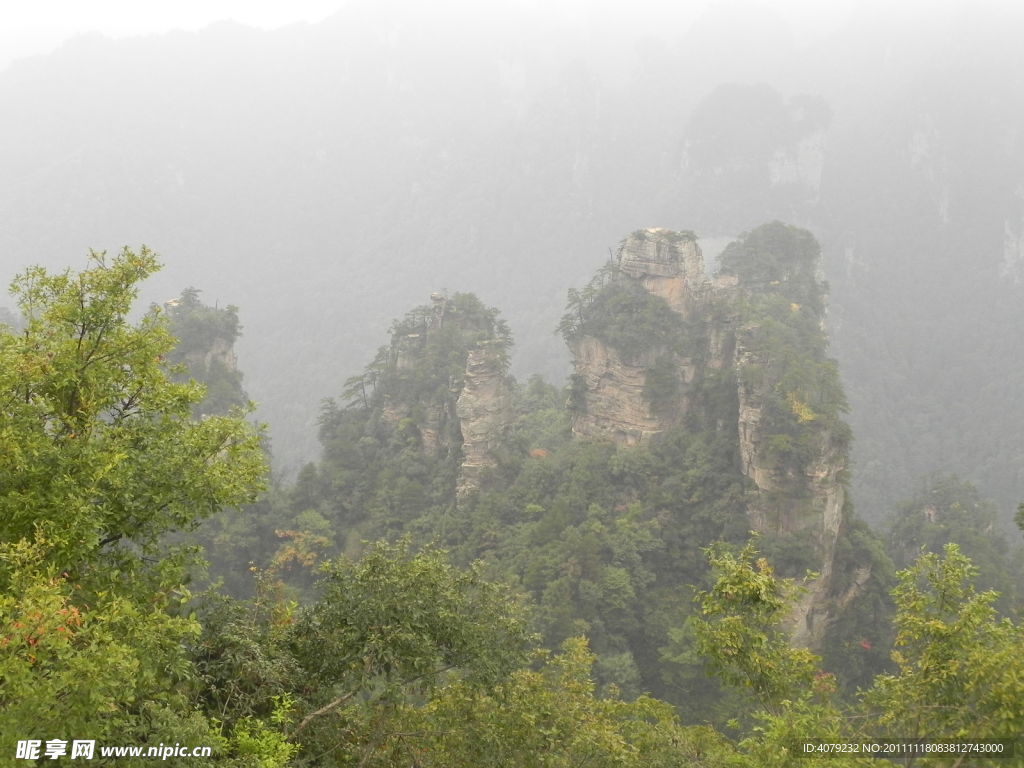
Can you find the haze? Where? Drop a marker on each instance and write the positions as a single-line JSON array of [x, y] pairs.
[[326, 169], [39, 28]]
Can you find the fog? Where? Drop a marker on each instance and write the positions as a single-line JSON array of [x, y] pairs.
[[328, 174]]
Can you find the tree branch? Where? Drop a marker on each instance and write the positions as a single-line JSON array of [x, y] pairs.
[[317, 713]]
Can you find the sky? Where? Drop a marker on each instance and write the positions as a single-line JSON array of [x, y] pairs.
[[28, 29]]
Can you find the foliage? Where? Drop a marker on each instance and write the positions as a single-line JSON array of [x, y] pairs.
[[389, 632], [622, 313], [99, 449], [241, 656], [406, 660], [959, 674], [99, 461], [402, 620], [552, 717], [605, 541], [256, 744], [779, 259], [661, 384], [74, 661], [740, 633], [205, 337], [950, 510]]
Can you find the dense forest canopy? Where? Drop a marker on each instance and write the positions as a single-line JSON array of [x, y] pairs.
[[580, 601]]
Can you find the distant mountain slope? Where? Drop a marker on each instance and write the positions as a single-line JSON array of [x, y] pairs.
[[700, 409], [322, 176]]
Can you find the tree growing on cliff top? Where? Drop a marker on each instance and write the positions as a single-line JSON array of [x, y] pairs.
[[205, 339]]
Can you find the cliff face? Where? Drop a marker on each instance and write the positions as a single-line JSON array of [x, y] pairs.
[[613, 382], [757, 328], [667, 264], [445, 375], [483, 410], [613, 393]]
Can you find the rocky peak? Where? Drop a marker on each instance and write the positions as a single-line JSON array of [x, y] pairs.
[[445, 373], [667, 264], [483, 409], [206, 346], [652, 335], [631, 337]]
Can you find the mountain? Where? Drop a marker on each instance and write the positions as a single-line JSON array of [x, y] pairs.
[[319, 175], [701, 408]]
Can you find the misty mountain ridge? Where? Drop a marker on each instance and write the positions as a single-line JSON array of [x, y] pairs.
[[321, 176]]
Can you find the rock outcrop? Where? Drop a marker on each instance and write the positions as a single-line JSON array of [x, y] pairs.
[[613, 384], [667, 264], [206, 338], [613, 390], [756, 327], [445, 375], [483, 410]]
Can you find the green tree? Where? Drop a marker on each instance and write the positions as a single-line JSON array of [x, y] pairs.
[[740, 632], [388, 632], [405, 660], [950, 510], [959, 673], [551, 717], [392, 625], [960, 669], [99, 461]]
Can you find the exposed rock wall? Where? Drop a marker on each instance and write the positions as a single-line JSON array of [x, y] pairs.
[[613, 389], [611, 384], [464, 412], [668, 264], [206, 336], [787, 497], [220, 351], [483, 411]]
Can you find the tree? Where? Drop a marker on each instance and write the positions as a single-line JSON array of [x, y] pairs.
[[740, 632], [551, 717], [959, 671], [393, 625], [99, 461], [389, 631], [406, 660]]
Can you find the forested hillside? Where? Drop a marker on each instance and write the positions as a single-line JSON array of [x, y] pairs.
[[581, 576], [699, 412]]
